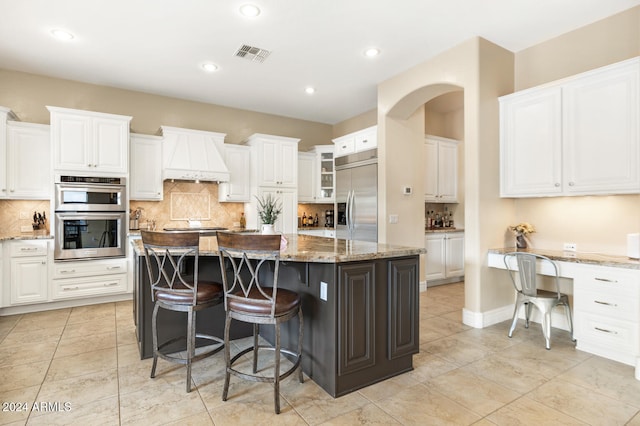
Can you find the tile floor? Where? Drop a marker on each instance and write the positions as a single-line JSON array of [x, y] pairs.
[[87, 358]]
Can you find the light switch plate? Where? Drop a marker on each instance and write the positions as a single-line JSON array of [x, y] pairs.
[[393, 218]]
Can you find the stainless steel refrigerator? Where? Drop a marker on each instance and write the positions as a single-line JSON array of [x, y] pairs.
[[357, 196]]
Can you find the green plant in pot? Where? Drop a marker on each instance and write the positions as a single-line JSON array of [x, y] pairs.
[[268, 209]]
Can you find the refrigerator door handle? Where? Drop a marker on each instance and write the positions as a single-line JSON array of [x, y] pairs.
[[347, 214], [352, 209]]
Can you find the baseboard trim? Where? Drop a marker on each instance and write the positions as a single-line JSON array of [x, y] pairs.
[[505, 313]]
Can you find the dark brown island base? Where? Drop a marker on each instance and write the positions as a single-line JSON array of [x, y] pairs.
[[360, 307]]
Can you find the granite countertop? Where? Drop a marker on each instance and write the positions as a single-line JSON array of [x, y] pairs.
[[34, 235], [307, 248], [436, 230], [578, 257]]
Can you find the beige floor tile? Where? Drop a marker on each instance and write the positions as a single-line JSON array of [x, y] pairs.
[[76, 345], [255, 409], [370, 414], [421, 405], [23, 375], [128, 354], [153, 405], [549, 363], [92, 313], [525, 411], [455, 351], [583, 404], [96, 413], [609, 378], [16, 404], [388, 387], [26, 353], [201, 419], [429, 333], [45, 319], [82, 364], [34, 335], [508, 373], [478, 394], [87, 328], [135, 377], [635, 421], [7, 323], [124, 309], [427, 366], [80, 390]]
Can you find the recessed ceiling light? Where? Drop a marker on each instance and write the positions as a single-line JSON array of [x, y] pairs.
[[209, 67], [62, 34], [249, 10], [372, 52], [310, 90]]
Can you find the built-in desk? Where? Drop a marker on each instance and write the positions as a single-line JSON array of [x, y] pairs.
[[606, 301]]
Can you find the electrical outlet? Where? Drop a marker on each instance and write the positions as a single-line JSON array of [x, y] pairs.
[[570, 247], [393, 218], [24, 215], [323, 291]]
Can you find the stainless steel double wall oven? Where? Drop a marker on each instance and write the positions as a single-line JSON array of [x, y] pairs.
[[90, 217]]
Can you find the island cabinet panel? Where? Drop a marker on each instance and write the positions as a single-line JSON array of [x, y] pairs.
[[356, 317], [402, 308]]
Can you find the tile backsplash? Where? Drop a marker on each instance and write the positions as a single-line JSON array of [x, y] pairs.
[[184, 200], [11, 212]]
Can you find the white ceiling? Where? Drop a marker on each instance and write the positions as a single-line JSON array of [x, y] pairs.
[[157, 46]]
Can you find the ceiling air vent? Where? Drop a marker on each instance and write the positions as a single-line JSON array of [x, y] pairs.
[[252, 53]]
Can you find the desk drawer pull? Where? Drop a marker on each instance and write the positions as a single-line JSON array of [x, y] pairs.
[[605, 330], [605, 303], [607, 280], [70, 288], [70, 271], [111, 268]]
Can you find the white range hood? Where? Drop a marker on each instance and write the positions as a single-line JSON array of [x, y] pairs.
[[193, 155]]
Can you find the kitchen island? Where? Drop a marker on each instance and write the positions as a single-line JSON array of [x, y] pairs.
[[359, 302]]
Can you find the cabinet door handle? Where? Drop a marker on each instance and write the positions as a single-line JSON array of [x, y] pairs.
[[28, 248], [111, 268], [605, 330], [365, 140], [71, 271], [110, 284], [70, 288], [606, 280], [605, 303], [571, 183], [44, 262], [556, 184]]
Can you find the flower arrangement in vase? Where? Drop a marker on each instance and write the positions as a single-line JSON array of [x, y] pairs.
[[522, 230], [268, 209]]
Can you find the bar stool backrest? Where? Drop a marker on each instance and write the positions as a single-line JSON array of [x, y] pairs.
[[169, 251], [242, 257]]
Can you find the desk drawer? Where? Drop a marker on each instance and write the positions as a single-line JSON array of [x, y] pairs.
[[620, 305], [615, 335]]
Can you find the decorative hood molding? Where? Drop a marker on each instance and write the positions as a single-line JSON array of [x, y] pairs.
[[193, 155]]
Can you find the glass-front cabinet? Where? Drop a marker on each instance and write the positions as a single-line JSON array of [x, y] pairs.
[[325, 190]]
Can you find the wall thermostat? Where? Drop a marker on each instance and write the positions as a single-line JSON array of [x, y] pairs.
[[407, 190]]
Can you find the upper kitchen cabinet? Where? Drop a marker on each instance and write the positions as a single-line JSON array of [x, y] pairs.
[[238, 160], [361, 140], [89, 142], [441, 170], [193, 155], [28, 161], [306, 177], [576, 136], [146, 168], [276, 160]]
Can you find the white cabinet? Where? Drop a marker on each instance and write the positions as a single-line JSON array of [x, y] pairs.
[[318, 232], [89, 142], [28, 162], [287, 222], [84, 279], [146, 168], [316, 175], [274, 170], [28, 271], [441, 170], [445, 255], [577, 136], [361, 140], [238, 160], [276, 160], [607, 312], [307, 177]]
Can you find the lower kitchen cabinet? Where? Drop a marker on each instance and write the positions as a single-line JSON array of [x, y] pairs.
[[607, 312], [445, 255], [28, 271], [89, 278]]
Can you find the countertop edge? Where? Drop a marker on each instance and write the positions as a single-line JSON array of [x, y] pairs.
[[599, 259]]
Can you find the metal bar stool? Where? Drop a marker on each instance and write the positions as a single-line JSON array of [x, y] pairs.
[[175, 286], [245, 261], [528, 293]]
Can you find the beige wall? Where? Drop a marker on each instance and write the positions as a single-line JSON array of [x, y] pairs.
[[28, 94], [353, 124], [597, 223]]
